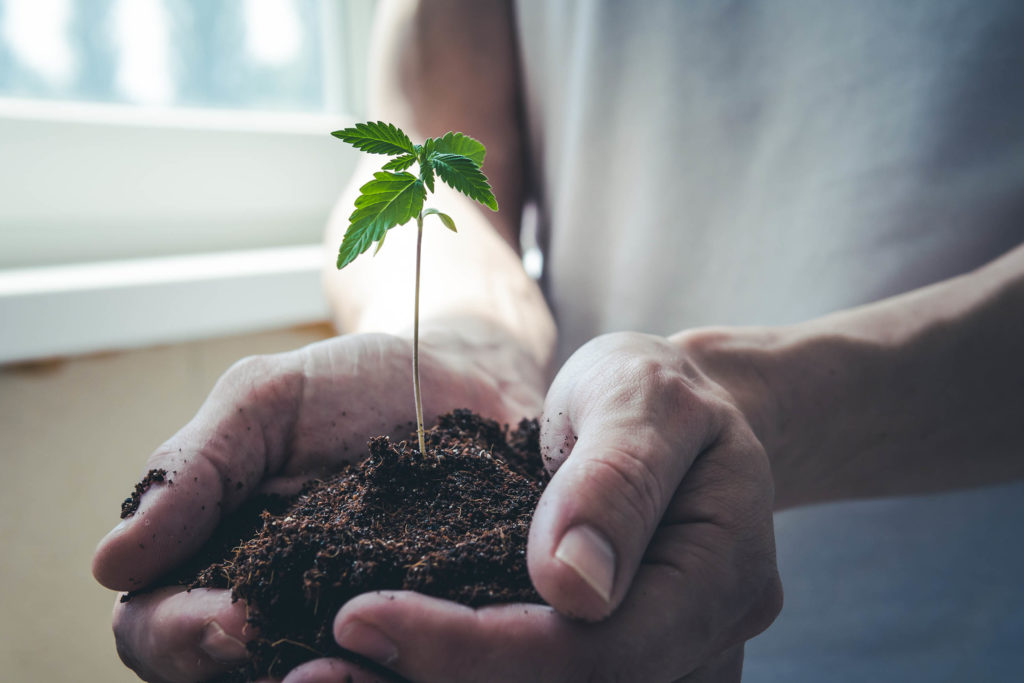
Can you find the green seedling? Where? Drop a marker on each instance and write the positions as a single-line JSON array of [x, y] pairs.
[[394, 197]]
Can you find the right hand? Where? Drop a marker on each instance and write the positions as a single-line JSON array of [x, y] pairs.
[[655, 531], [270, 424]]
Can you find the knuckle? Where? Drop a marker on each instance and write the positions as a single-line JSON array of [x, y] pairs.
[[640, 370], [264, 376], [251, 378], [667, 390], [652, 382], [252, 368]]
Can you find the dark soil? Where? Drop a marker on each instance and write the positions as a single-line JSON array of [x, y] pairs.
[[452, 524], [131, 503]]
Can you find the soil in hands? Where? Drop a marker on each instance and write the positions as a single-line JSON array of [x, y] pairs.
[[452, 523]]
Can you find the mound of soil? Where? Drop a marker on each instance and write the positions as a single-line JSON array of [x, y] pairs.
[[452, 523]]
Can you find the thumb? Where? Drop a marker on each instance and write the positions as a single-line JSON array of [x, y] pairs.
[[208, 468], [622, 424]]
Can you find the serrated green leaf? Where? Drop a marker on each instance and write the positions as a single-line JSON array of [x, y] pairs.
[[377, 138], [427, 171], [459, 143], [388, 200], [445, 218], [380, 243], [400, 163], [464, 174]]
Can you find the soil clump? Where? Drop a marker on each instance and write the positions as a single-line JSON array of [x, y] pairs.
[[131, 503], [452, 524]]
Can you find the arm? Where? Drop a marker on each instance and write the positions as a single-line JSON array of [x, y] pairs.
[[451, 66], [913, 394]]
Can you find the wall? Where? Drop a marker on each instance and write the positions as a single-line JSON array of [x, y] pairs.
[[73, 438]]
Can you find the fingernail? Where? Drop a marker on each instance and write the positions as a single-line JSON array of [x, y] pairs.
[[368, 641], [222, 647], [591, 556]]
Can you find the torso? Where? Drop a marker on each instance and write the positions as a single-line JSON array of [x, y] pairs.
[[767, 162], [761, 162]]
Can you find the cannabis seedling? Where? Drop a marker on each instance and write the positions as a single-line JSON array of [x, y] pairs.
[[395, 196]]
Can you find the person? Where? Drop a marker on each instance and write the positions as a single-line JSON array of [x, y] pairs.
[[811, 215]]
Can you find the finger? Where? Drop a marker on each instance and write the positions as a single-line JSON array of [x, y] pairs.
[[658, 634], [237, 437], [430, 639], [620, 442], [172, 635], [334, 671]]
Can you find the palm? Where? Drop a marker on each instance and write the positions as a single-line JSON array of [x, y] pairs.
[[270, 424], [273, 422], [356, 387]]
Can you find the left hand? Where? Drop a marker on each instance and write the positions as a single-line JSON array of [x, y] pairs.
[[653, 542], [270, 424]]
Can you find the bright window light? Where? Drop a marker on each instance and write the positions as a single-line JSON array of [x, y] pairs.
[[223, 54], [36, 34], [273, 33], [144, 64]]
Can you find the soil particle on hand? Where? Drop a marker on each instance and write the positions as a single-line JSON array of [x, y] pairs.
[[131, 503], [452, 524]]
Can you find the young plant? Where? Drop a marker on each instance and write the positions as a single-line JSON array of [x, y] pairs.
[[395, 196]]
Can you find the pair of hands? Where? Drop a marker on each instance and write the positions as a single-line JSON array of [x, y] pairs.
[[652, 543]]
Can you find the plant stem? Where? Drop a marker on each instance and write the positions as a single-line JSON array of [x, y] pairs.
[[416, 339]]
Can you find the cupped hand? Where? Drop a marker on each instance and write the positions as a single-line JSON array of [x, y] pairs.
[[270, 424], [653, 542]]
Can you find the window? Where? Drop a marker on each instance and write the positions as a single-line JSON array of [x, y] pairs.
[[235, 54], [156, 129], [139, 128]]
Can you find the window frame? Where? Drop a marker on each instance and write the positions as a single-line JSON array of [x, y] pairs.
[[125, 226]]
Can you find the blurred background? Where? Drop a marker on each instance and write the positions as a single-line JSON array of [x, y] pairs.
[[165, 176]]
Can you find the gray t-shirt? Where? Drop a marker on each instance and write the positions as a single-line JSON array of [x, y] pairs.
[[766, 162]]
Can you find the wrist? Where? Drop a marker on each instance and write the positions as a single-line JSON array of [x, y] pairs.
[[494, 350], [747, 362]]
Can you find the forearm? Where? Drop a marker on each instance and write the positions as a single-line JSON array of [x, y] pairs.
[[449, 66], [472, 285], [914, 394]]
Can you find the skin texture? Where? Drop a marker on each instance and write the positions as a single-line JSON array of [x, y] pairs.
[[670, 454]]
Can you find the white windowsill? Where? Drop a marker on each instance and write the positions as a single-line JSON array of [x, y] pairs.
[[184, 118], [84, 308]]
